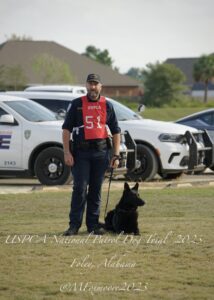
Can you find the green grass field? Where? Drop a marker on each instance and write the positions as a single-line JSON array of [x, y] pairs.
[[172, 259], [170, 113]]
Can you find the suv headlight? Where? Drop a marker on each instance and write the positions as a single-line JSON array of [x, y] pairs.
[[199, 137], [172, 138]]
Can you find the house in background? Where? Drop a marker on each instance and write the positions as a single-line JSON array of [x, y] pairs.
[[13, 53], [196, 90]]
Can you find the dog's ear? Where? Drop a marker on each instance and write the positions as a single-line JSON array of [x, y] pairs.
[[136, 187], [126, 186]]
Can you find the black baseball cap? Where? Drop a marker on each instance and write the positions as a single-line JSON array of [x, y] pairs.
[[93, 77]]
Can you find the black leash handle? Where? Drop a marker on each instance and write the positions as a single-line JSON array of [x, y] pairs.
[[110, 179]]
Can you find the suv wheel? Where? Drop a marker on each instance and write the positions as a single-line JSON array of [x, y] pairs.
[[50, 168], [148, 165]]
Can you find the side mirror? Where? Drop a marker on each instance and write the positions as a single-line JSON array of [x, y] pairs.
[[7, 119], [141, 108], [61, 113]]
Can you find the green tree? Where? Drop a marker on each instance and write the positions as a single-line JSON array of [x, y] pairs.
[[52, 70], [203, 71], [163, 84], [15, 77], [98, 55], [15, 37], [136, 73]]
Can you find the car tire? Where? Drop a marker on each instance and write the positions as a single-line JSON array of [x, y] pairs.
[[50, 168], [148, 165]]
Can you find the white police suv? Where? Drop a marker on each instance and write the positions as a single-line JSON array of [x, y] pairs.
[[74, 89], [31, 143], [165, 148]]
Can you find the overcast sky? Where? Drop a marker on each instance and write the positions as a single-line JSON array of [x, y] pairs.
[[135, 32]]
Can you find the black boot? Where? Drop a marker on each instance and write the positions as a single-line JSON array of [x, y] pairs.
[[71, 231]]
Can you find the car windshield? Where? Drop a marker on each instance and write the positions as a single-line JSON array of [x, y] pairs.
[[32, 111], [123, 113]]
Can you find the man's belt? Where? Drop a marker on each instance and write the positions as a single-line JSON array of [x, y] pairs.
[[94, 144]]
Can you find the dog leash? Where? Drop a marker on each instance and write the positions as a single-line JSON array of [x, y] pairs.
[[110, 179]]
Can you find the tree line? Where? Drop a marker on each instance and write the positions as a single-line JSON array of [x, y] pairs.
[[163, 83]]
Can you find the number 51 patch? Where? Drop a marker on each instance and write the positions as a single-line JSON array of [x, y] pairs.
[[94, 118]]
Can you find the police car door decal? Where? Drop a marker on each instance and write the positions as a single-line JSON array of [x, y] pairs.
[[5, 138], [10, 148]]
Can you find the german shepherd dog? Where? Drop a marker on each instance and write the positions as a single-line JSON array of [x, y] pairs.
[[123, 219]]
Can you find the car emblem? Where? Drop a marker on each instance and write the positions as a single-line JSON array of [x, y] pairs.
[[27, 134]]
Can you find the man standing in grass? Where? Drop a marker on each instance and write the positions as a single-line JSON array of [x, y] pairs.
[[87, 119]]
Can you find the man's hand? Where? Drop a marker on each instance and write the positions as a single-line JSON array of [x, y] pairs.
[[114, 162], [68, 158]]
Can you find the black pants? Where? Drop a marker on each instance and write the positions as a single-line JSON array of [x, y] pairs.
[[88, 174]]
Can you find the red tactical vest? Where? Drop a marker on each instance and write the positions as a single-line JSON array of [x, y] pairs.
[[94, 118]]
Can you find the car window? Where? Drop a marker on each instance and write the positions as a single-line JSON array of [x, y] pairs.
[[123, 113], [2, 112], [52, 104], [31, 111], [208, 118]]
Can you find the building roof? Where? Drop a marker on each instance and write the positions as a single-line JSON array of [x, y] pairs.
[[185, 65], [22, 53]]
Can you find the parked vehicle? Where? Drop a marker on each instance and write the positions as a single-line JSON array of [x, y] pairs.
[[165, 148], [203, 120], [31, 143], [74, 89]]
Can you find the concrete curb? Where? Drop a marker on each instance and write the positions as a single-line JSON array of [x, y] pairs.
[[115, 185]]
